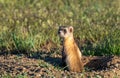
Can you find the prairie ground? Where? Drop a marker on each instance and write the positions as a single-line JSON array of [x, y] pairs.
[[49, 66]]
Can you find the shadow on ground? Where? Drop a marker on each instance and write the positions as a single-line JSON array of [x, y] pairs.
[[95, 63], [47, 57]]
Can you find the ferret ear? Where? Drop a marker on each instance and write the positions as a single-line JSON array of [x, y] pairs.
[[71, 29]]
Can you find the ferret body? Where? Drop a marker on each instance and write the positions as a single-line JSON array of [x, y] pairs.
[[71, 55]]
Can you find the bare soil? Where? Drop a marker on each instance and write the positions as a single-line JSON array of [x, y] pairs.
[[46, 65]]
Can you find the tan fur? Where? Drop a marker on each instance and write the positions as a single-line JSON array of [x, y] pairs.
[[71, 54]]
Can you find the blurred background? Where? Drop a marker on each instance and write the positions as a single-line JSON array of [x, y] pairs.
[[31, 25]]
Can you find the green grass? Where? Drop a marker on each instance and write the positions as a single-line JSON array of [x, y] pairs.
[[17, 76], [25, 25]]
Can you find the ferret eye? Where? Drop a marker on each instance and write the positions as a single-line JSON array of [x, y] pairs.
[[65, 31]]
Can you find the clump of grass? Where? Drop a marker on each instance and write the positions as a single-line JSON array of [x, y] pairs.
[[110, 45]]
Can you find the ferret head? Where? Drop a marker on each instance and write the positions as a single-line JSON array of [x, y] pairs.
[[65, 31]]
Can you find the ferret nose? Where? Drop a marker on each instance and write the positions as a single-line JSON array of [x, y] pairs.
[[58, 32]]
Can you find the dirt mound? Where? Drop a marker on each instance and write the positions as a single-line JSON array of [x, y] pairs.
[[95, 66], [102, 62], [104, 66]]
